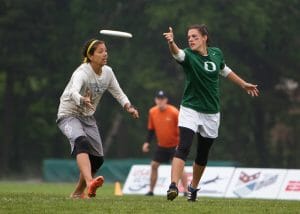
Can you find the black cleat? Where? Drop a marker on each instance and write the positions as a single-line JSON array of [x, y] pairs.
[[192, 194], [149, 194], [172, 193]]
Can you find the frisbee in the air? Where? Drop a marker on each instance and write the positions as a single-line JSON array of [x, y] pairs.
[[116, 33]]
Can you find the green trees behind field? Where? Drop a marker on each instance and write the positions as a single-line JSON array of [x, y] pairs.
[[40, 48]]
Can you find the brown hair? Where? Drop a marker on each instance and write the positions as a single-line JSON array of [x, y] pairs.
[[87, 50], [202, 29]]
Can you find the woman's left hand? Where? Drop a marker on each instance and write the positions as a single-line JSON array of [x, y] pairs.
[[251, 89], [132, 110]]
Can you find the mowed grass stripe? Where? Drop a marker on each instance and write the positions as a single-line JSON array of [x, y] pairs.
[[19, 197]]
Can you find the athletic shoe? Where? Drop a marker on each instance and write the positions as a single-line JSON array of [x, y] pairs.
[[94, 185], [185, 194], [172, 193], [149, 194], [192, 193]]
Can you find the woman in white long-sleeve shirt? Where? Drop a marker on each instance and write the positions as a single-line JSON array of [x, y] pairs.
[[78, 104]]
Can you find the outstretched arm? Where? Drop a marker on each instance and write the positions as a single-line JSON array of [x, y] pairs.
[[116, 91], [248, 87]]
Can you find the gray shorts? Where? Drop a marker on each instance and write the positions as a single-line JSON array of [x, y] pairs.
[[74, 127]]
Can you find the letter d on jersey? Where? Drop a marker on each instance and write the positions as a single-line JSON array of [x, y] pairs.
[[210, 66]]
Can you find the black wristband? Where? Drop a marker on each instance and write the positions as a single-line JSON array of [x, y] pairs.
[[150, 135]]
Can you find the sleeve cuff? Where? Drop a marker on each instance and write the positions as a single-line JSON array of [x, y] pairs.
[[124, 101], [150, 135], [225, 71], [179, 56]]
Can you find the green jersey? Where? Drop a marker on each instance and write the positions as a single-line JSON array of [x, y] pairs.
[[201, 92]]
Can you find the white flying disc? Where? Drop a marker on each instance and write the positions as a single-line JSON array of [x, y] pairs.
[[116, 33]]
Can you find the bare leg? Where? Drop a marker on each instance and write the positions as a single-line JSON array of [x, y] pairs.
[[84, 165], [184, 181], [177, 169], [80, 187], [154, 174], [197, 174]]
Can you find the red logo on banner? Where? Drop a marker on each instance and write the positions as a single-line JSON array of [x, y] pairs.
[[245, 178], [293, 186]]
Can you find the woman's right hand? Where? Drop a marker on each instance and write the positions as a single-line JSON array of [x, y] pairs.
[[87, 100], [169, 35]]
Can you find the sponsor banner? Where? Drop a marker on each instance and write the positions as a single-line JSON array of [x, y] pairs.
[[214, 182], [256, 183], [138, 180], [290, 189]]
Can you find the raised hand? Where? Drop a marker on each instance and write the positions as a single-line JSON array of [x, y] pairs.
[[169, 35]]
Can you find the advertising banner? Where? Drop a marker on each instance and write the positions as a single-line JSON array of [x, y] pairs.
[[290, 189], [213, 184], [256, 183], [138, 180]]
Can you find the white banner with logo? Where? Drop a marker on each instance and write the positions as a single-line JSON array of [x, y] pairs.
[[222, 182], [213, 184], [138, 180], [256, 183], [290, 189]]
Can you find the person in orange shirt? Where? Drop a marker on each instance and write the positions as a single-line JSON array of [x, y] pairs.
[[162, 122]]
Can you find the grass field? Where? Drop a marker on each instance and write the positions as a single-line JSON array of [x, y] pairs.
[[17, 197]]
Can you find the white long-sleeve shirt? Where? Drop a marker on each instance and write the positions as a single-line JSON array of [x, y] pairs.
[[85, 79]]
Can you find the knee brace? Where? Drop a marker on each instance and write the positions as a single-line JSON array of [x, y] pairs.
[[82, 145], [201, 160], [182, 152], [204, 145], [96, 163], [186, 140]]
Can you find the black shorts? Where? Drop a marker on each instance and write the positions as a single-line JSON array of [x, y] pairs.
[[163, 154], [83, 146]]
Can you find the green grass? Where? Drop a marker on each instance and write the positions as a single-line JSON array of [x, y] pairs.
[[17, 197]]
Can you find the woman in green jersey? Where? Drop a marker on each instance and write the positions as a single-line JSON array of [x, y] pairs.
[[200, 106]]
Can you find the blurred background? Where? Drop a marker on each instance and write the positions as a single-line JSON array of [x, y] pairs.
[[40, 47]]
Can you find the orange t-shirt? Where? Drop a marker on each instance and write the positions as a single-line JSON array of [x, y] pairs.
[[165, 125]]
